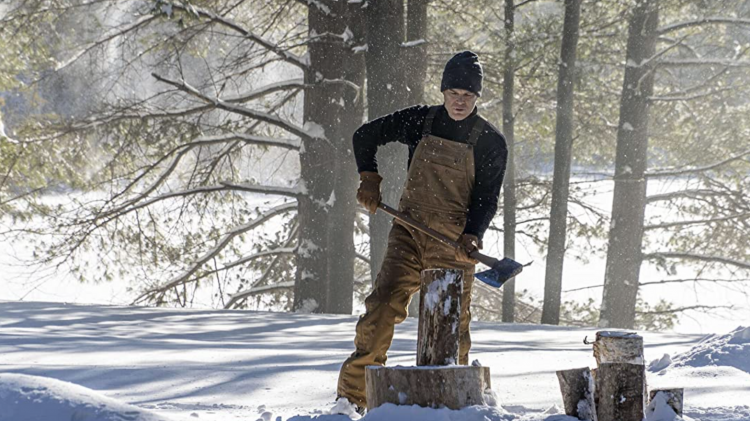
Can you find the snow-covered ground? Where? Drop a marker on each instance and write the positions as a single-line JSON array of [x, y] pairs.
[[153, 364]]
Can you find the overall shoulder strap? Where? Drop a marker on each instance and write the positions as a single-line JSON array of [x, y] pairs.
[[427, 127], [476, 131]]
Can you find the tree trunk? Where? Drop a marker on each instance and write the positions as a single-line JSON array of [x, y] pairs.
[[620, 392], [325, 253], [386, 86], [416, 72], [561, 177], [509, 190], [624, 255], [577, 388]]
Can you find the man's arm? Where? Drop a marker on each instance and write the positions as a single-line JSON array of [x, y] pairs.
[[490, 171], [403, 126]]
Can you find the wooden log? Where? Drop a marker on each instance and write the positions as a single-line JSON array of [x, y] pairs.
[[439, 313], [577, 387], [453, 387], [673, 398], [618, 347], [620, 392]]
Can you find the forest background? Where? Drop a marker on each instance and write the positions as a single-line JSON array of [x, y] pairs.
[[198, 153]]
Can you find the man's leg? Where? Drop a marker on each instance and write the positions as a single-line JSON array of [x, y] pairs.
[[386, 306]]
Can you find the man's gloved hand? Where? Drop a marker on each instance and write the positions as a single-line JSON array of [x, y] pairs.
[[368, 194], [468, 243]]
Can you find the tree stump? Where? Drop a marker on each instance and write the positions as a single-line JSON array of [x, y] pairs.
[[673, 397], [619, 392], [618, 347], [439, 314], [453, 387], [577, 387]]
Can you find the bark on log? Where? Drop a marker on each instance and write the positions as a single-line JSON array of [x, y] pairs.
[[454, 387], [673, 397], [618, 347], [439, 312], [577, 387], [620, 392]]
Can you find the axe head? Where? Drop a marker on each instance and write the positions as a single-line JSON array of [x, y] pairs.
[[501, 271]]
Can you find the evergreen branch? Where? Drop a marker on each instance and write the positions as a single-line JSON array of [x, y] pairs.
[[701, 257], [183, 278], [693, 193], [702, 62], [258, 290], [285, 251], [679, 281]]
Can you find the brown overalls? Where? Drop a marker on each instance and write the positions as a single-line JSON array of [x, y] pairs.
[[437, 193]]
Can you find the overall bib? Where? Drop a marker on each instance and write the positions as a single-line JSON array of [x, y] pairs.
[[437, 193]]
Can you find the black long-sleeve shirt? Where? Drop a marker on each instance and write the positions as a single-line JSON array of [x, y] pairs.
[[405, 126]]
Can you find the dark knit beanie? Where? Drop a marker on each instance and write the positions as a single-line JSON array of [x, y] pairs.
[[463, 71]]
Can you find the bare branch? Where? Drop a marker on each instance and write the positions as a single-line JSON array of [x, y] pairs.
[[694, 193], [268, 45], [255, 188], [258, 290], [696, 222], [706, 20], [687, 62], [681, 309], [218, 103], [185, 276], [671, 173], [701, 257]]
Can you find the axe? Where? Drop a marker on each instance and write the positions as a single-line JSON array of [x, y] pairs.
[[500, 270]]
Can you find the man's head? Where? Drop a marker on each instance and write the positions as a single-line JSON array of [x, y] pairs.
[[461, 84]]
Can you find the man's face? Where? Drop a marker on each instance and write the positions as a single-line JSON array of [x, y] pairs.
[[459, 103]]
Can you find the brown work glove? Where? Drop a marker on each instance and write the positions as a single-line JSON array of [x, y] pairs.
[[368, 194], [468, 243]]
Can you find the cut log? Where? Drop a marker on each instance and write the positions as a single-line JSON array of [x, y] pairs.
[[577, 387], [673, 398], [618, 347], [620, 392], [453, 387], [439, 313]]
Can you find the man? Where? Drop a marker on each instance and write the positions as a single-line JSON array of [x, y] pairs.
[[456, 168]]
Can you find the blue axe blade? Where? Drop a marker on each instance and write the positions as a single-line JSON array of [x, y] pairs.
[[501, 272]]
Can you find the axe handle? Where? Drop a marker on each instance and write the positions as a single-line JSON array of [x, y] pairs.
[[406, 219]]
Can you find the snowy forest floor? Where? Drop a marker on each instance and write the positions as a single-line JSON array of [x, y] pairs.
[[246, 365]]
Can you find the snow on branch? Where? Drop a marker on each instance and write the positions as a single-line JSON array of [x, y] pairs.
[[693, 193], [318, 5], [255, 188], [293, 144], [702, 21], [160, 290], [258, 115], [234, 298], [269, 45], [287, 85], [696, 222], [671, 173], [288, 251], [701, 257]]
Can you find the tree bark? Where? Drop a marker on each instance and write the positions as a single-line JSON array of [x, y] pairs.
[[619, 392], [325, 283], [440, 298], [577, 388], [629, 203], [386, 88], [561, 176], [509, 190]]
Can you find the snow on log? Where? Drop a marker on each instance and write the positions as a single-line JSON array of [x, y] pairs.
[[577, 388], [439, 312], [453, 387], [618, 347]]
